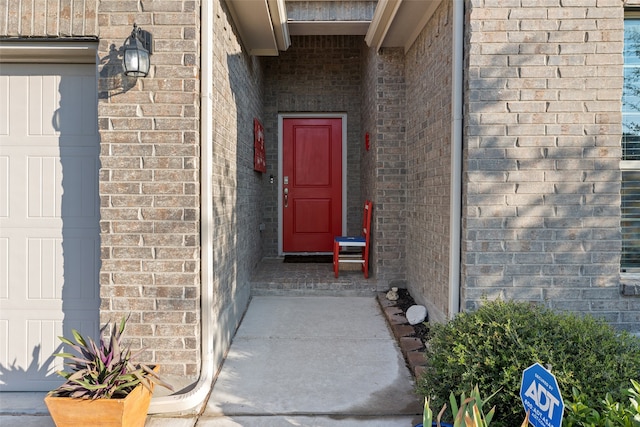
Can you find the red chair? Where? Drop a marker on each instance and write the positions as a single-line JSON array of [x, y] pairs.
[[342, 243]]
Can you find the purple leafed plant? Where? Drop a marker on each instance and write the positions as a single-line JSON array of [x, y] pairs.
[[105, 371]]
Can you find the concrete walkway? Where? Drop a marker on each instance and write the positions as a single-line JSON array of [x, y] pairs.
[[304, 361]]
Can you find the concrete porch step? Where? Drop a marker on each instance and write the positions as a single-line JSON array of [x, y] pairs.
[[273, 277]]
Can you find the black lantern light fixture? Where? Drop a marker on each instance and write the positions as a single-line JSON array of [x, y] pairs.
[[136, 52]]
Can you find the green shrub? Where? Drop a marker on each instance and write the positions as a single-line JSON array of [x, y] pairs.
[[612, 414], [493, 345]]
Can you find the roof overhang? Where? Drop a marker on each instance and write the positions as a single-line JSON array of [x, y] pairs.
[[265, 30], [397, 23], [262, 25]]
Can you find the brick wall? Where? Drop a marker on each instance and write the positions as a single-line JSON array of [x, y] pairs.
[[65, 18], [353, 10], [150, 171], [315, 75], [542, 144], [384, 167], [428, 75], [542, 183], [149, 177], [149, 183], [368, 182], [237, 188]]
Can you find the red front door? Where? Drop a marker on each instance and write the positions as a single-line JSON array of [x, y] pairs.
[[311, 184]]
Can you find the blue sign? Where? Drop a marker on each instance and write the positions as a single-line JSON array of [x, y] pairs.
[[541, 397]]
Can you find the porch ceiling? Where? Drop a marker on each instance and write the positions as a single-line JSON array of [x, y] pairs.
[[265, 29]]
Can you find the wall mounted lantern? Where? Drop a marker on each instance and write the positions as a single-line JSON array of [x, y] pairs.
[[136, 52]]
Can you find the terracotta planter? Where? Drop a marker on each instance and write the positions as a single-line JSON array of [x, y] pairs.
[[130, 411]]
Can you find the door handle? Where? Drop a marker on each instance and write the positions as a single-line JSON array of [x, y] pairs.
[[286, 197]]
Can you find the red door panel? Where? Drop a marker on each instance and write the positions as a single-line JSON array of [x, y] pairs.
[[312, 184]]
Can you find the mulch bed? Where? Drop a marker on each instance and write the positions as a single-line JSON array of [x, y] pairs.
[[410, 338], [405, 300]]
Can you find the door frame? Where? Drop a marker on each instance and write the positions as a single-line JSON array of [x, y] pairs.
[[281, 117]]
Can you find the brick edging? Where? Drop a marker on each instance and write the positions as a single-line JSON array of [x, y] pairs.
[[412, 348]]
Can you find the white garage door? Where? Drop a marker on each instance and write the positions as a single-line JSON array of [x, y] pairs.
[[49, 213]]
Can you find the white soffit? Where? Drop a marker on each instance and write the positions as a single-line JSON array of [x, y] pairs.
[[278, 11], [382, 20], [397, 23], [265, 31], [253, 20]]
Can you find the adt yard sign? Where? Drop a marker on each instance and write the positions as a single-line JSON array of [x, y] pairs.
[[541, 397]]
